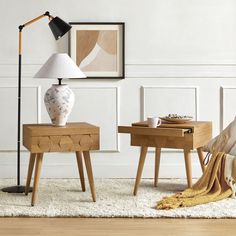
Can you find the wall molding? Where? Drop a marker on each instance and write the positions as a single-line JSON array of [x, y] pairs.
[[143, 70], [180, 71], [196, 98], [117, 89], [222, 105]]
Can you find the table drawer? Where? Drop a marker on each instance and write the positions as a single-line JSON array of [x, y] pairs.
[[168, 132], [62, 143], [185, 142]]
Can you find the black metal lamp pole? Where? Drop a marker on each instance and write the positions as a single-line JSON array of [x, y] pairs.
[[58, 28], [18, 187]]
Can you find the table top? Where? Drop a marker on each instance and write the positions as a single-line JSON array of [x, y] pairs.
[[68, 129]]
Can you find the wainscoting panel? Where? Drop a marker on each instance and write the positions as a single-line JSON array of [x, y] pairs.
[[160, 101], [228, 105], [30, 112], [98, 106]]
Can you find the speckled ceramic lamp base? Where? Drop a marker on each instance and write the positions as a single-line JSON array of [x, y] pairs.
[[59, 100]]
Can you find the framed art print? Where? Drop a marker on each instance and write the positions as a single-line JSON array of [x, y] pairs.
[[98, 49]]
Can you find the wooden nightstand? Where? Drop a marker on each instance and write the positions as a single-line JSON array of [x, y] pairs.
[[188, 136], [74, 137]]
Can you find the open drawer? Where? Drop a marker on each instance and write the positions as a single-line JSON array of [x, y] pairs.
[[159, 131]]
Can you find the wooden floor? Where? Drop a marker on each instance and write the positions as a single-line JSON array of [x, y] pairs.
[[124, 227]]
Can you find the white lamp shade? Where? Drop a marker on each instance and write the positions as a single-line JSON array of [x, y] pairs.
[[60, 65]]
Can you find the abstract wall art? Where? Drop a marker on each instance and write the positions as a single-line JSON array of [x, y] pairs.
[[98, 49]]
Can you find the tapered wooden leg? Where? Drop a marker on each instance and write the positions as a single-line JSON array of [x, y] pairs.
[[89, 173], [30, 171], [157, 165], [39, 159], [188, 167], [201, 158], [80, 168], [140, 168]]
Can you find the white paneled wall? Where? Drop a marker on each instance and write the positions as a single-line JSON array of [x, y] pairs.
[[180, 58]]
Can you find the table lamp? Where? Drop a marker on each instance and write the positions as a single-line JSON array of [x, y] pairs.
[[58, 28], [59, 99]]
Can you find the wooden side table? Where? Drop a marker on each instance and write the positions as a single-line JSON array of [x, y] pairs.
[[74, 137], [188, 136]]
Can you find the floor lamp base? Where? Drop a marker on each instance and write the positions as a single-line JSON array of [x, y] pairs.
[[16, 189]]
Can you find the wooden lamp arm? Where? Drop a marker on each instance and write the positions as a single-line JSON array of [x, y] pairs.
[[36, 19], [29, 23]]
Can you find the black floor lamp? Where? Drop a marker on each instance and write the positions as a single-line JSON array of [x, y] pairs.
[[58, 28]]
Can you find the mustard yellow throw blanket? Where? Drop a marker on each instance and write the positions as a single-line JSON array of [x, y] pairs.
[[209, 188]]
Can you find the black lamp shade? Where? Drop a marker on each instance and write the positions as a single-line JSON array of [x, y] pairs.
[[58, 27]]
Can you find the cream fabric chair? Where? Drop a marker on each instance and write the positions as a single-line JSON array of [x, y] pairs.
[[226, 142]]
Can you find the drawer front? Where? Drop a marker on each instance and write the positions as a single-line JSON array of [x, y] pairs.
[[185, 142], [170, 132], [62, 143]]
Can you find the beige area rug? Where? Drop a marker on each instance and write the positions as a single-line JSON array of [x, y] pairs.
[[64, 198]]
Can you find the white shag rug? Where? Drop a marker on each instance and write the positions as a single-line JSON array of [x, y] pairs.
[[64, 198]]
